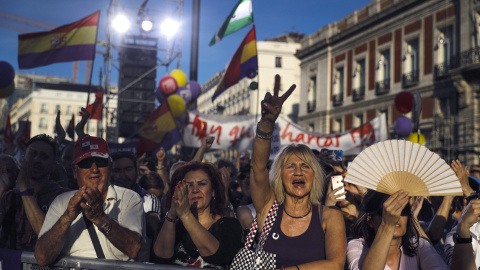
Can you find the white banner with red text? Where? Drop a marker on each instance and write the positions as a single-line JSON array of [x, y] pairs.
[[237, 132]]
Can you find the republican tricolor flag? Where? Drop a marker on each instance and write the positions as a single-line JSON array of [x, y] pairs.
[[71, 42], [243, 64]]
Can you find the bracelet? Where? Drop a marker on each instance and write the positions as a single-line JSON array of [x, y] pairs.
[[472, 196], [106, 228], [26, 192], [174, 220], [263, 135]]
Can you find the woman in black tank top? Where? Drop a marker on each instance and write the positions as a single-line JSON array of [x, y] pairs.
[[302, 233]]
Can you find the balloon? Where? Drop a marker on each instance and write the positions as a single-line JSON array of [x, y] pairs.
[[180, 76], [253, 86], [176, 104], [160, 96], [168, 85], [7, 91], [195, 89], [7, 74], [404, 102], [403, 126], [414, 138], [185, 93]]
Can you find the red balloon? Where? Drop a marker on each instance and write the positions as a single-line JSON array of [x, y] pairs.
[[168, 85], [404, 102]]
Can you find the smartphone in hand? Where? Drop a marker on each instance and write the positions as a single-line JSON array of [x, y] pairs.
[[337, 181]]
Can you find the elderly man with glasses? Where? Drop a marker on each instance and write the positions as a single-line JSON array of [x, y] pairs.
[[99, 220]]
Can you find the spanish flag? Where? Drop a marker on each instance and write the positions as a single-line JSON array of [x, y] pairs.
[[71, 42], [243, 64], [160, 129]]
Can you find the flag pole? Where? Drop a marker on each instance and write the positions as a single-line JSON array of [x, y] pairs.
[[258, 75], [93, 62]]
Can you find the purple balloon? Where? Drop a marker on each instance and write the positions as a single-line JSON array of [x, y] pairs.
[[195, 89], [160, 95], [7, 74], [185, 93], [403, 126]]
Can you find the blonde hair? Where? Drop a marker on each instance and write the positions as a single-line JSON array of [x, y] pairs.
[[305, 154]]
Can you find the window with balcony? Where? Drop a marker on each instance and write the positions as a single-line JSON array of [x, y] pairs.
[[43, 108], [338, 86], [312, 94], [444, 47], [278, 62], [311, 127], [337, 125], [43, 123], [57, 108], [359, 80], [69, 109], [411, 58], [382, 86], [358, 120]]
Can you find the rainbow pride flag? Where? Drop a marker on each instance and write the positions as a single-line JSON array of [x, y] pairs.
[[71, 42], [243, 64]]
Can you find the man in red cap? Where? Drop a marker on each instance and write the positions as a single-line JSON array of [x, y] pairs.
[[99, 220]]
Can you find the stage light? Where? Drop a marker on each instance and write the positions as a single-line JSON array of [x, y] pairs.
[[121, 23], [169, 27], [147, 25]]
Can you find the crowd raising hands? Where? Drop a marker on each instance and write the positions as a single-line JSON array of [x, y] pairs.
[[247, 212]]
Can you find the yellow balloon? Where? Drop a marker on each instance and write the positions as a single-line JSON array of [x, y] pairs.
[[180, 76], [414, 138], [7, 90], [176, 104]]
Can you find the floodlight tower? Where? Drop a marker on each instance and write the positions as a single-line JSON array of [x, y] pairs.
[[143, 39]]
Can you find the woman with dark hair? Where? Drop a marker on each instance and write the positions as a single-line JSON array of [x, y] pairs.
[[196, 231], [389, 238]]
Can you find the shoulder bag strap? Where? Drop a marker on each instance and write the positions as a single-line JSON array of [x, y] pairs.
[[94, 237], [267, 227]]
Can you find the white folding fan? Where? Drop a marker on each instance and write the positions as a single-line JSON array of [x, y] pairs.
[[392, 165]]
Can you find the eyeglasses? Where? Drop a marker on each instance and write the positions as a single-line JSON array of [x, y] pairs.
[[88, 162]]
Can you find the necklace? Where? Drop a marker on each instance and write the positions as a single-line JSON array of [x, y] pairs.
[[309, 210]]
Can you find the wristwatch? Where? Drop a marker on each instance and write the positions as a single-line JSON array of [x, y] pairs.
[[459, 240], [105, 229]]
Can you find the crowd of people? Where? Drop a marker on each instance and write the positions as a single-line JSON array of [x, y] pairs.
[[87, 201]]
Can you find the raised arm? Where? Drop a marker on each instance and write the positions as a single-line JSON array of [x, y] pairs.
[[59, 129], [376, 257], [80, 127], [271, 106], [462, 174], [34, 213], [463, 255], [207, 142], [162, 171]]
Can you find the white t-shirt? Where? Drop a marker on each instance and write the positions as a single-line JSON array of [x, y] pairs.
[[122, 205], [429, 258]]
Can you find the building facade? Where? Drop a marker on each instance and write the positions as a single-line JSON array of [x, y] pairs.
[[275, 56], [352, 69], [45, 99]]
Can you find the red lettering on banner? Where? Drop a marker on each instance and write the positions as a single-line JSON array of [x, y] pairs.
[[364, 135], [299, 138], [199, 127], [234, 132], [219, 130]]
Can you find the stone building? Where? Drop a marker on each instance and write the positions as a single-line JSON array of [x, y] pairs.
[[352, 69]]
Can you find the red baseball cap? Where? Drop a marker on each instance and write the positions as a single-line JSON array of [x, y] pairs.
[[89, 146]]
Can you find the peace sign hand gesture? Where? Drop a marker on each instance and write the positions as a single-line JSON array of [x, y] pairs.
[[272, 105]]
